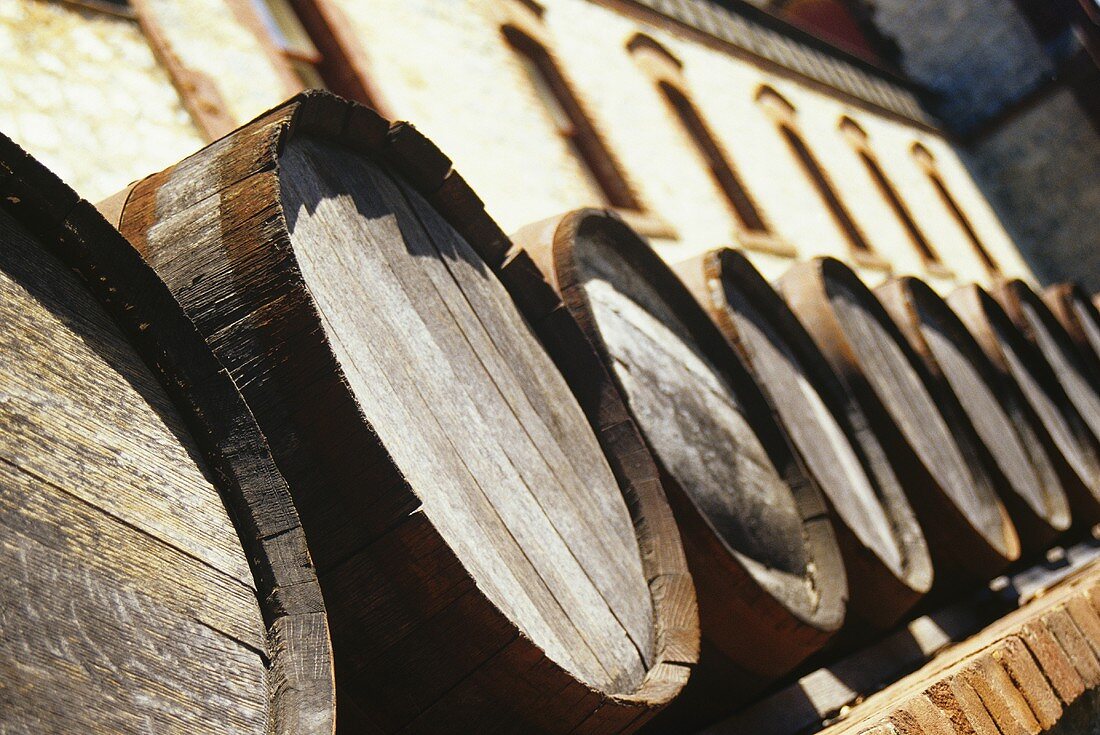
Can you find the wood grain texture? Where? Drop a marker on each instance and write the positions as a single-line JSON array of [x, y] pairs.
[[142, 592], [1035, 320], [1058, 427], [770, 581], [884, 550], [967, 528], [494, 553], [1023, 471], [1080, 317]]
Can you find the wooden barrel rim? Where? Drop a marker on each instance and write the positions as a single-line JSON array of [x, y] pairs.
[[252, 488], [1017, 297], [258, 148], [1080, 317], [995, 332], [553, 244], [914, 304], [972, 551], [889, 595]]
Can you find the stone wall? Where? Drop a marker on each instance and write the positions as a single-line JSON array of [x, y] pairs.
[[1040, 167], [448, 68], [83, 93], [1043, 168], [977, 56]]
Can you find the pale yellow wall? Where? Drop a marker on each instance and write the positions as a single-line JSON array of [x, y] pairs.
[[82, 92], [446, 67], [208, 37]]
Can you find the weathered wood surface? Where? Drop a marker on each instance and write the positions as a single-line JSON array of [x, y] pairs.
[[154, 579], [484, 565], [770, 580], [1032, 317], [1025, 475], [828, 693], [1080, 317], [1058, 426], [884, 550], [967, 528]]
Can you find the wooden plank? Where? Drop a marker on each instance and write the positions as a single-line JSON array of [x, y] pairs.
[[126, 595], [820, 695], [884, 549], [1024, 474], [81, 410], [101, 647]]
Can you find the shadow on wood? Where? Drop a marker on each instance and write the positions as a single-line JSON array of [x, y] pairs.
[[968, 531], [1034, 319], [1059, 428], [1081, 319], [770, 580], [884, 550], [976, 393]]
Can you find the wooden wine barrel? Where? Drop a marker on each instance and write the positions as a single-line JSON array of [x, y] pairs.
[[1060, 430], [155, 577], [484, 565], [1081, 319], [1032, 317], [768, 572], [884, 550], [968, 530], [990, 402]]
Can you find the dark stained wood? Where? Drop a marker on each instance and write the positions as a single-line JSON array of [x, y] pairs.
[[1058, 427], [495, 554], [155, 576], [968, 531], [992, 404], [1032, 317], [884, 550], [1080, 317], [770, 580]]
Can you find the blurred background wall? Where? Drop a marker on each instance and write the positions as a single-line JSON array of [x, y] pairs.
[[951, 140]]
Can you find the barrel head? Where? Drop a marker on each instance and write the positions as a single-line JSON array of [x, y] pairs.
[[1034, 318], [988, 402], [968, 530], [884, 550], [1080, 318], [1063, 434], [495, 554], [144, 585], [764, 556]]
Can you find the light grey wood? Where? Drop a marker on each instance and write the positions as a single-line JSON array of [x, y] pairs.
[[1089, 326], [457, 389], [813, 429], [913, 409], [692, 418], [999, 433], [1067, 367], [1061, 433], [126, 602]]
